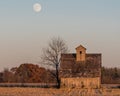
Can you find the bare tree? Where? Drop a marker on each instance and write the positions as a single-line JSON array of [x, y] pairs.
[[51, 55]]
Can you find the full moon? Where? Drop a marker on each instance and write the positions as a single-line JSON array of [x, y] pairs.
[[37, 7]]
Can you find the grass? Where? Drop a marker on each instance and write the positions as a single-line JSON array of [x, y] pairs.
[[20, 91]]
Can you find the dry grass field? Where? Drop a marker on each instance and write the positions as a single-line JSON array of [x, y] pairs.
[[19, 91]]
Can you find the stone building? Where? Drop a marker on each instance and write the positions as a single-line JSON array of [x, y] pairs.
[[80, 69]]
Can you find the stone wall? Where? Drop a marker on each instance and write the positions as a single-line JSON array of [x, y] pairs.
[[80, 82]]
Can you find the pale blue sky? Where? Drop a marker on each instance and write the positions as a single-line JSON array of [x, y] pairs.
[[93, 23]]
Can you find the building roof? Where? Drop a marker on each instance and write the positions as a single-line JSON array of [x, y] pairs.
[[91, 67], [80, 46]]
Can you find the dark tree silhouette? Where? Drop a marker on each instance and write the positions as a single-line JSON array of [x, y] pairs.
[[51, 55]]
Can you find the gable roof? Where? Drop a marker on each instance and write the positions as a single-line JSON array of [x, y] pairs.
[[80, 46]]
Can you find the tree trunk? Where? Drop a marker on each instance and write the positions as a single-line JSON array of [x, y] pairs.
[[57, 77]]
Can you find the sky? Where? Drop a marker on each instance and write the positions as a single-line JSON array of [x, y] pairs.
[[93, 23]]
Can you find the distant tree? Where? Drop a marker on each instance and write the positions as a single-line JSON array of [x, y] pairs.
[[7, 75], [30, 73], [13, 70], [52, 54], [110, 75], [116, 75]]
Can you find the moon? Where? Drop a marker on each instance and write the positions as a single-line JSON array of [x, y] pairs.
[[37, 7]]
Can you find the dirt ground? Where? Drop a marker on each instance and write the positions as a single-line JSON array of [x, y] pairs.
[[18, 91]]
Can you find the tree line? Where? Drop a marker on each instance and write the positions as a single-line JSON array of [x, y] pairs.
[[110, 75], [26, 73], [31, 73]]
